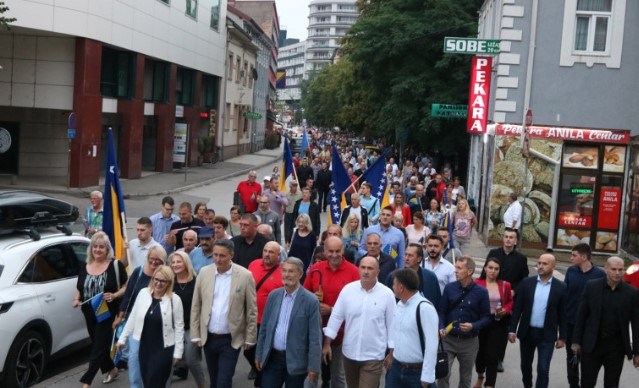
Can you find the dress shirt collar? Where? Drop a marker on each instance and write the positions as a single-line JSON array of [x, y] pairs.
[[227, 273], [542, 282]]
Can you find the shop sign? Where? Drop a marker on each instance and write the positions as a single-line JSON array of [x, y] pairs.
[[574, 220], [478, 96], [609, 207], [179, 143], [574, 134]]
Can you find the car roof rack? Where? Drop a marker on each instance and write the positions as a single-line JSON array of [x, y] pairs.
[[34, 232]]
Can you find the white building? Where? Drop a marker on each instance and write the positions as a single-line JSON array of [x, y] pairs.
[[142, 67], [292, 59], [328, 22]]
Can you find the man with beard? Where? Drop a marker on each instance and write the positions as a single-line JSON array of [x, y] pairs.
[[203, 255], [323, 183], [428, 285], [442, 268]]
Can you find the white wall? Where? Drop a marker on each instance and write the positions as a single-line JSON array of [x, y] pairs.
[[150, 27]]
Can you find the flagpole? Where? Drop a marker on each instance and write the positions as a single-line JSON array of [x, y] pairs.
[[126, 241], [91, 298]]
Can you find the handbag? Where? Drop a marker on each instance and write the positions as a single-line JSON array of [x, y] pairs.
[[441, 364]]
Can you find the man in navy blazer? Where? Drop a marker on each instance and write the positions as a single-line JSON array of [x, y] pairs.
[[291, 317], [539, 312]]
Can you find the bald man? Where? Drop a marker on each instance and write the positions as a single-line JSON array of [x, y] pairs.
[[608, 307], [189, 240], [368, 308], [538, 315]]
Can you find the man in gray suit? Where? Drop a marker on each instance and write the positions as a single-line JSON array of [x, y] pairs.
[[291, 317]]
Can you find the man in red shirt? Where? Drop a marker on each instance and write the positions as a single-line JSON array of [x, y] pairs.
[[326, 279], [268, 277], [249, 192]]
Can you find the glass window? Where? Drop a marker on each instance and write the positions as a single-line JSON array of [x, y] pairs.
[[51, 263], [191, 8], [117, 78], [184, 86], [215, 14], [160, 81], [592, 27], [209, 91]]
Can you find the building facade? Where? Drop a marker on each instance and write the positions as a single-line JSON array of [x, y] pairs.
[[264, 15], [143, 68], [292, 59], [328, 22], [571, 66]]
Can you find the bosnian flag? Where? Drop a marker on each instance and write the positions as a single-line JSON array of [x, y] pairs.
[[114, 219]]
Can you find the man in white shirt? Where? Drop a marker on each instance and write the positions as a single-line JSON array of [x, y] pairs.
[[512, 217], [139, 248], [223, 313], [411, 361], [443, 269], [367, 308]]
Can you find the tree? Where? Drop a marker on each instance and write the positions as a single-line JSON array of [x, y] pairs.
[[396, 50], [4, 21]]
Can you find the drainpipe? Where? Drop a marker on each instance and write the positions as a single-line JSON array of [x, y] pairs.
[[225, 80]]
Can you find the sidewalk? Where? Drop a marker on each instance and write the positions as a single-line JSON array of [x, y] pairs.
[[156, 183]]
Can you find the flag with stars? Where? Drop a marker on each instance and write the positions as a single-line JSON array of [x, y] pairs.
[[341, 182], [376, 176], [113, 223], [389, 250]]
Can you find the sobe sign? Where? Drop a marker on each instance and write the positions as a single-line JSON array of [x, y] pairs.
[[478, 95]]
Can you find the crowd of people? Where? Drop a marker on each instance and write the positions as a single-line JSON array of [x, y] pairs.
[[387, 287]]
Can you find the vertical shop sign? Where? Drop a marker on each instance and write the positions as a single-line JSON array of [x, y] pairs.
[[478, 94], [609, 208]]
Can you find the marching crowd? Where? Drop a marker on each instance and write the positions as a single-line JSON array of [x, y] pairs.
[[388, 287]]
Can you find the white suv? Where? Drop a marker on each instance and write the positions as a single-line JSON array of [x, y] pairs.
[[38, 275]]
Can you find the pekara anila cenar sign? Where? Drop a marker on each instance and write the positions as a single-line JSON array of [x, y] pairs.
[[478, 95]]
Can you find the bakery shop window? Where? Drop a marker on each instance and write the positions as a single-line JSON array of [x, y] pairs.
[[575, 207]]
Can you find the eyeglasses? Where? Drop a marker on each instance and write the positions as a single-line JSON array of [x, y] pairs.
[[264, 203], [160, 281], [156, 261]]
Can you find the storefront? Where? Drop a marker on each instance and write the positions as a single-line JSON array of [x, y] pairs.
[[571, 187]]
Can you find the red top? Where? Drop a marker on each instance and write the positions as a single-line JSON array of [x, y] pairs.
[[273, 282], [332, 284], [504, 290], [441, 188], [405, 213], [250, 194]]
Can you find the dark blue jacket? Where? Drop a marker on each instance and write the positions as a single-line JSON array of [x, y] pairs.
[[575, 282], [474, 308], [428, 285], [386, 265]]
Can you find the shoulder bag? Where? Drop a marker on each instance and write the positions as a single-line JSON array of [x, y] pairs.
[[441, 364]]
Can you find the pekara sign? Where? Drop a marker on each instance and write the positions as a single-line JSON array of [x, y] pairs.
[[478, 95], [573, 134]]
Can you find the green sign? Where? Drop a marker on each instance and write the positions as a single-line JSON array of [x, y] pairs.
[[471, 46], [449, 111], [252, 115], [581, 190]]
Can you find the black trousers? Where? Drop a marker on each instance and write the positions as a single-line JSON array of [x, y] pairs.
[[572, 369], [101, 334], [322, 199], [289, 224], [492, 339], [608, 353], [249, 354]]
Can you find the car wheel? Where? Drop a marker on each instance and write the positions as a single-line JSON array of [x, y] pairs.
[[26, 360]]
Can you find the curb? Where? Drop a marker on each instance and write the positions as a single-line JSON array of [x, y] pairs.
[[84, 191]]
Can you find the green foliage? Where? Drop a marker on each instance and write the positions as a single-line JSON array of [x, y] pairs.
[[5, 21], [393, 68], [271, 139]]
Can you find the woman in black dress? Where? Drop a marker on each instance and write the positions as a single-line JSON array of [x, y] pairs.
[[303, 242], [157, 321], [106, 276], [184, 288]]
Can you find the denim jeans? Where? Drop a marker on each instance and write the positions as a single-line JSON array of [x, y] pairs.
[[535, 340], [399, 377], [274, 374], [135, 375]]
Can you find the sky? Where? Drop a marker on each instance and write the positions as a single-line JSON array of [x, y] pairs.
[[293, 16]]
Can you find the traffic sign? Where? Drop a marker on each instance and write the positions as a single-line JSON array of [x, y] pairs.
[[449, 111], [71, 133], [252, 115], [471, 46]]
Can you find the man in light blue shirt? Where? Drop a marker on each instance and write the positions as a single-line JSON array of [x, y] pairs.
[[393, 242], [203, 255], [370, 203], [162, 222]]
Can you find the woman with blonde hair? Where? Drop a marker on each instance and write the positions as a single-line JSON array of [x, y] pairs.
[[303, 242], [352, 233], [157, 322], [101, 275], [140, 279], [184, 287], [464, 223]]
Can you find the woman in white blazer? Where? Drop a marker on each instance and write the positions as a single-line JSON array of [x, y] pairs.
[[157, 313]]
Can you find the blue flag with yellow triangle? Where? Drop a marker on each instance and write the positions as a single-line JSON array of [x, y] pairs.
[[100, 308], [114, 219]]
